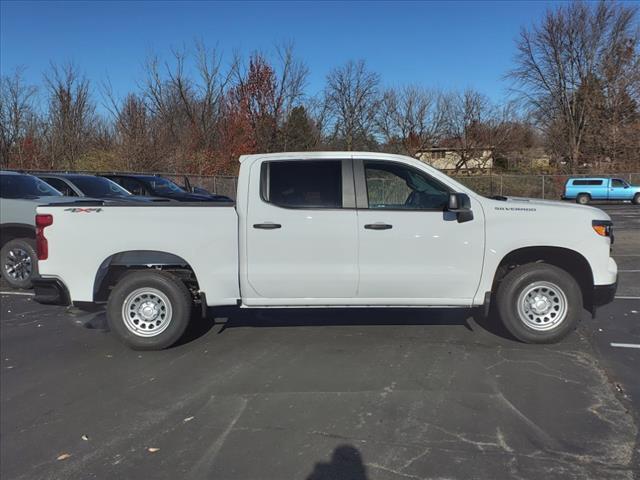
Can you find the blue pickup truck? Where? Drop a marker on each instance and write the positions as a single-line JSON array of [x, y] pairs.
[[583, 190]]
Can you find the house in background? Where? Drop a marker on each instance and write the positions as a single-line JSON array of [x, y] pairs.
[[449, 158]]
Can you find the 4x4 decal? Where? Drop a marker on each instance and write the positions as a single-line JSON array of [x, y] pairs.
[[83, 210]]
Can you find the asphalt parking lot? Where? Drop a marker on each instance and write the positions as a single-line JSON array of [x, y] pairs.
[[325, 394]]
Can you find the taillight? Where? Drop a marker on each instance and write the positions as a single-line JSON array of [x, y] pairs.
[[42, 221]]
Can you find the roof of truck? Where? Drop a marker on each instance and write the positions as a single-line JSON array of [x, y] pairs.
[[325, 155]]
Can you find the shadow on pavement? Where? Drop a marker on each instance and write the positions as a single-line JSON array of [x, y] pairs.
[[306, 317], [345, 464]]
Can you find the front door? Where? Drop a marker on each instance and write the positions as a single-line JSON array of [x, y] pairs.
[[412, 251], [619, 190], [301, 233]]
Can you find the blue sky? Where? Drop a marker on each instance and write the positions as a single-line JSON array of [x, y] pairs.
[[436, 44]]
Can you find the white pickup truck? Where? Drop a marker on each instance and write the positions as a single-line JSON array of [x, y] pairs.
[[329, 229]]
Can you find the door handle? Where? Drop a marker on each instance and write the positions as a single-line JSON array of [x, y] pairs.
[[378, 226], [267, 225]]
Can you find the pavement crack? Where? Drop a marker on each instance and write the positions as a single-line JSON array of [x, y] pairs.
[[203, 466]]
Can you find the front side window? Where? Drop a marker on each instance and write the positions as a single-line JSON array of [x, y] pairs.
[[617, 183], [399, 187], [303, 184], [164, 186]]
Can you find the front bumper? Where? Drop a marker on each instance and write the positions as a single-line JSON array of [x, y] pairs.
[[51, 291], [603, 294]]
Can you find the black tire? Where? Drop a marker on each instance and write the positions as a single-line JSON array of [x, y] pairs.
[[636, 199], [522, 279], [583, 198], [19, 272], [177, 303]]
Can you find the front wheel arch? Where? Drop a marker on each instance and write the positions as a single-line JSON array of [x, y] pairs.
[[574, 263]]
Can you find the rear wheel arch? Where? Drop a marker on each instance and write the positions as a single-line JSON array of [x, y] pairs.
[[116, 266], [566, 259], [11, 231]]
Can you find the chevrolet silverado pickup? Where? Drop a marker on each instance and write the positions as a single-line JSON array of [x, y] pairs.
[[329, 229]]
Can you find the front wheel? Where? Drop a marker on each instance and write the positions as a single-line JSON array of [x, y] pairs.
[[539, 303], [636, 199], [149, 310]]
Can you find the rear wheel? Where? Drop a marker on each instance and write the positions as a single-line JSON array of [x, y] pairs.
[[583, 198], [539, 303], [19, 262], [149, 310]]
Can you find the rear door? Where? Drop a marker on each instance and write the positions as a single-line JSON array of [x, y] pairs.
[[301, 235]]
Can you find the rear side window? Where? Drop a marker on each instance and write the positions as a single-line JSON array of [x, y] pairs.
[[592, 183], [61, 186], [302, 184], [131, 185]]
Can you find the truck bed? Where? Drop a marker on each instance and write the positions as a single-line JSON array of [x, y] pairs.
[[87, 235]]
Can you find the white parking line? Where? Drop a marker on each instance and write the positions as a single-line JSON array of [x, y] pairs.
[[26, 294], [628, 271], [626, 345], [626, 298]]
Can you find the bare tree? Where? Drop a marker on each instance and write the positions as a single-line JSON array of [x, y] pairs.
[[352, 98], [474, 126], [70, 117], [267, 93], [410, 119], [560, 64], [17, 117]]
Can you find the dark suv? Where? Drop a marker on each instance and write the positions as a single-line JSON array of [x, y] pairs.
[[152, 185], [82, 185]]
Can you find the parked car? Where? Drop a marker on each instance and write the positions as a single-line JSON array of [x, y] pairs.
[[193, 188], [153, 185], [19, 195], [322, 230], [584, 190], [82, 185]]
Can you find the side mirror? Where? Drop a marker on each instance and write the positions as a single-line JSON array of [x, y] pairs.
[[460, 204]]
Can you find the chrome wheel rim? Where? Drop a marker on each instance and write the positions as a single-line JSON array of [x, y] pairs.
[[147, 312], [18, 264], [542, 306]]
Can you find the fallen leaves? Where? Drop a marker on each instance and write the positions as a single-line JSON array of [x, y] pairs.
[[64, 456], [153, 449]]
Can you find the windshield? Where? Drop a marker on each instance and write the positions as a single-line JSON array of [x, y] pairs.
[[99, 187], [163, 186], [25, 186]]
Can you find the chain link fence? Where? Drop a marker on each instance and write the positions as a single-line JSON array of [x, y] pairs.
[[522, 185], [535, 186]]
